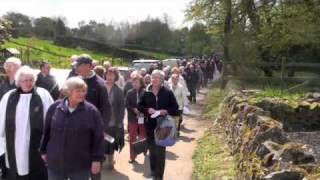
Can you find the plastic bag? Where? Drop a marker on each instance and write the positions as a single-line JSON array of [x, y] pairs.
[[165, 132]]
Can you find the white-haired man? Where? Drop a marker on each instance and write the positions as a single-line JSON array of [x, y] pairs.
[[10, 66]]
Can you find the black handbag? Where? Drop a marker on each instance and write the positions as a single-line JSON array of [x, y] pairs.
[[140, 146]]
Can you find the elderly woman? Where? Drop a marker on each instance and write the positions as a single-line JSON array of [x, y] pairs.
[[72, 144], [135, 117], [157, 98], [114, 126], [22, 112], [181, 97]]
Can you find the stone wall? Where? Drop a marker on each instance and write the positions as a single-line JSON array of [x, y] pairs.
[[271, 138]]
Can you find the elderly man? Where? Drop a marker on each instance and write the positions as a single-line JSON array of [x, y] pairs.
[[97, 92], [47, 81], [11, 66]]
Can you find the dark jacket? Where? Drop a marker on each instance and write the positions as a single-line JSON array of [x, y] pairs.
[[6, 86], [72, 140], [132, 102], [164, 100], [192, 78], [98, 96], [50, 84], [118, 106], [128, 86]]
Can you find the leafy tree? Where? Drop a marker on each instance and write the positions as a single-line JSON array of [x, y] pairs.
[[21, 24], [5, 30]]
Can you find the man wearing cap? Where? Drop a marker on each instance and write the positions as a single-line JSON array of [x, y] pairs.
[[97, 92]]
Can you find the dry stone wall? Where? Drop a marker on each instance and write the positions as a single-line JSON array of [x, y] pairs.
[[271, 138]]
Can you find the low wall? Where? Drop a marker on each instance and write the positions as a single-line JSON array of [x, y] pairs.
[[265, 135]]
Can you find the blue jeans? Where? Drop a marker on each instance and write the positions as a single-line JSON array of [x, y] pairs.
[[80, 175]]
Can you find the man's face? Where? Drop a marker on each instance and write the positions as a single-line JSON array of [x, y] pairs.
[[84, 69], [46, 69], [11, 68]]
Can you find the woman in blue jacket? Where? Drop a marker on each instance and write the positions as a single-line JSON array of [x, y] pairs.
[[72, 145]]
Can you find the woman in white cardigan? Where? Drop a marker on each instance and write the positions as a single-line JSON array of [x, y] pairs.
[[181, 97]]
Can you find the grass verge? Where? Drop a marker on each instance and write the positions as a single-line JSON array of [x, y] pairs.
[[212, 158]]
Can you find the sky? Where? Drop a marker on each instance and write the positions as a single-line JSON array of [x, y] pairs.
[[100, 10]]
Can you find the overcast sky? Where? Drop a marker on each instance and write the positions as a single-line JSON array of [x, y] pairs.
[[99, 10]]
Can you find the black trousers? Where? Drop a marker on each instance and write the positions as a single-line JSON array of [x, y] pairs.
[[37, 175], [157, 160], [193, 93], [3, 166]]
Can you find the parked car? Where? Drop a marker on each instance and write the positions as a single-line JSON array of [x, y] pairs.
[[171, 62], [124, 71], [143, 63]]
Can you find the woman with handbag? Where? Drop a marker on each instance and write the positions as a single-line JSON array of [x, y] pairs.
[[135, 117], [157, 99]]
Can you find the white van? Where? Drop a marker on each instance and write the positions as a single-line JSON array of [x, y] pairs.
[[171, 62]]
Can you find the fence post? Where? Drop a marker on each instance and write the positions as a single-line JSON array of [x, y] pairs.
[[283, 72]]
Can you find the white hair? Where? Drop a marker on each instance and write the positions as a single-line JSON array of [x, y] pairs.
[[159, 73], [73, 83], [13, 60], [134, 74], [74, 57], [23, 71]]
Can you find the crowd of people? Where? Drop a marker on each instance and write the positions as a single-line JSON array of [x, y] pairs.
[[60, 133]]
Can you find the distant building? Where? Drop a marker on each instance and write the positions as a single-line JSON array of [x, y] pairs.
[[9, 52]]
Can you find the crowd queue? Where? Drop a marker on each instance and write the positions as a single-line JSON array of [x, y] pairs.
[[59, 133]]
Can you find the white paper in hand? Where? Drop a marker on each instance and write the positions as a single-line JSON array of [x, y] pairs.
[[140, 119], [109, 138], [156, 114]]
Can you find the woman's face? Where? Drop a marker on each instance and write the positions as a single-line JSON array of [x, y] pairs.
[[175, 80], [110, 78], [26, 83], [78, 95], [156, 81], [136, 84]]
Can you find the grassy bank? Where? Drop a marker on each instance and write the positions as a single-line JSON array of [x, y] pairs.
[[212, 159], [46, 50], [34, 49]]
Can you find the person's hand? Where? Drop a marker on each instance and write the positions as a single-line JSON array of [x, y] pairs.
[[44, 157], [163, 112], [136, 111], [151, 111], [95, 167]]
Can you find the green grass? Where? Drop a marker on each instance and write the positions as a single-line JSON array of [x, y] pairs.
[[57, 61], [212, 159], [64, 62], [215, 97]]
